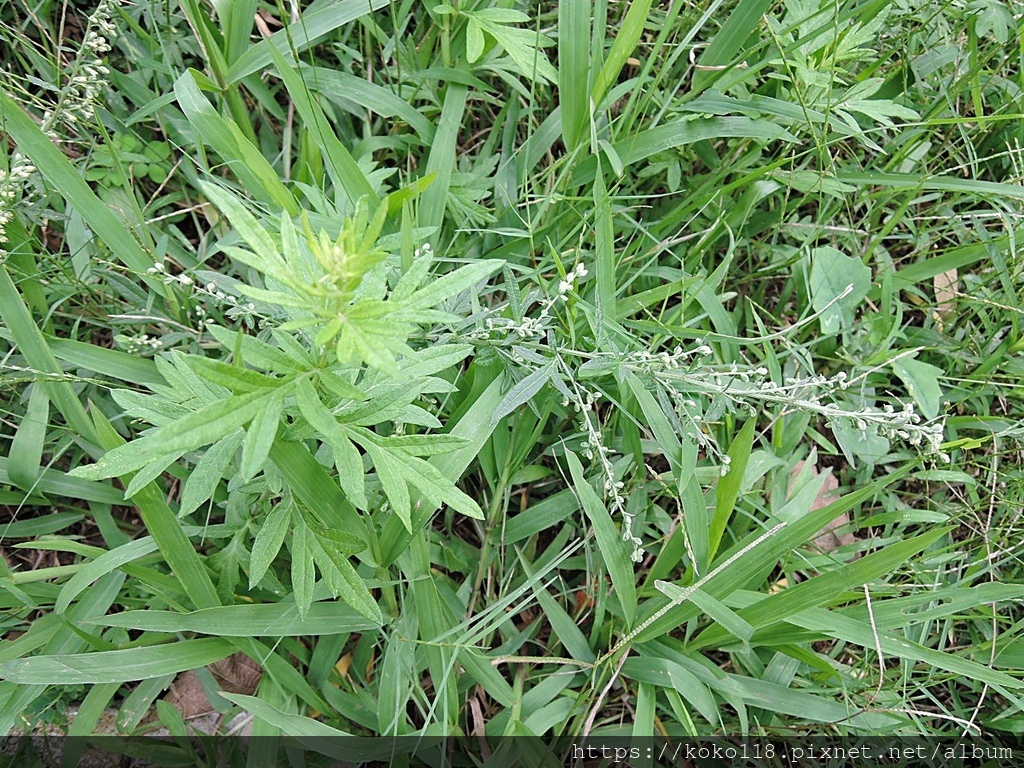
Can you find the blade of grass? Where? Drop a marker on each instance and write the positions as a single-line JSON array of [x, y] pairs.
[[574, 70], [614, 550], [60, 172], [829, 587], [244, 159], [33, 346], [679, 133], [268, 620], [728, 488], [729, 40], [345, 172], [165, 529], [100, 567], [441, 160], [604, 247], [311, 26], [116, 666], [27, 446]]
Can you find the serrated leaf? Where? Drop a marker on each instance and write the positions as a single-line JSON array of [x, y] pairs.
[[474, 41], [315, 412], [523, 47], [452, 284], [259, 437], [351, 475], [150, 472], [276, 298], [257, 352], [246, 225], [523, 391], [203, 480], [340, 387], [345, 542], [213, 422], [415, 276], [515, 302], [156, 409], [268, 542], [427, 362], [424, 445], [123, 460], [502, 15], [233, 377], [202, 427], [389, 472], [275, 269], [303, 571], [436, 487], [357, 595], [375, 342]]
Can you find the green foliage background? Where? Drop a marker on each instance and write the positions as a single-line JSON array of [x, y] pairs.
[[496, 367]]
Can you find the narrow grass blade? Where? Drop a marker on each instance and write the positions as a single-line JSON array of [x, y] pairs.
[[345, 172], [244, 159], [614, 550], [821, 590], [269, 620], [59, 171], [729, 40], [626, 39], [574, 70], [100, 567], [116, 666], [53, 482], [23, 465], [604, 246], [759, 553], [833, 624], [932, 183], [442, 156], [523, 391], [728, 488], [679, 133], [33, 346], [311, 26]]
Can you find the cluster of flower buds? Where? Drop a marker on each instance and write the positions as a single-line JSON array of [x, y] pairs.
[[75, 101], [12, 185], [226, 301]]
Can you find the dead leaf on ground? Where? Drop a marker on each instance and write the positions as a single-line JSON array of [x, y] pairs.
[[188, 697], [235, 674], [826, 540], [947, 286]]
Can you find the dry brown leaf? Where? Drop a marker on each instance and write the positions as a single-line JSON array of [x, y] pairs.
[[237, 674], [826, 539], [188, 697], [947, 286]]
